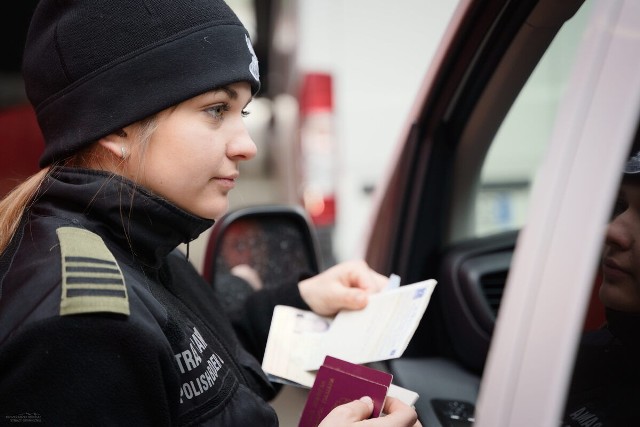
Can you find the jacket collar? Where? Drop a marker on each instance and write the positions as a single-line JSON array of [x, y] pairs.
[[131, 217], [625, 327]]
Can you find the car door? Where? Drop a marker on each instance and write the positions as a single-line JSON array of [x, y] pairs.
[[500, 188], [553, 266]]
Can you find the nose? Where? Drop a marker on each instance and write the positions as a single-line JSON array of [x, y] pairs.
[[241, 146], [618, 232]]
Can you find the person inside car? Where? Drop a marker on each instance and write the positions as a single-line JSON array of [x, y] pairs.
[[102, 321], [605, 389]]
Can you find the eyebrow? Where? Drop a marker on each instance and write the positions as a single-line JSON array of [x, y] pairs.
[[231, 93], [226, 89]]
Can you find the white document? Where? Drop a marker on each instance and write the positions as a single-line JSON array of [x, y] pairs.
[[299, 340], [380, 331], [294, 335]]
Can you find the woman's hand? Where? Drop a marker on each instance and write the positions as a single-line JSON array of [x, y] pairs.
[[343, 286], [356, 414]]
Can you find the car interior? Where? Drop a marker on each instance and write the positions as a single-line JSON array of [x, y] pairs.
[[445, 214]]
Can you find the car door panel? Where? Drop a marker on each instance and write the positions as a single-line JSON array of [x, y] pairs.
[[451, 137], [438, 381], [551, 275], [471, 283]]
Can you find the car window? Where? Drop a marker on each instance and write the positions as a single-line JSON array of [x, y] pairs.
[[604, 387], [520, 143]]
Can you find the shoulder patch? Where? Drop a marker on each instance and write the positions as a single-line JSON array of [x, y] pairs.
[[92, 281]]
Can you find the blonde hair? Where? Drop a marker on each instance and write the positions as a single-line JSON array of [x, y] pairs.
[[17, 202], [13, 206]]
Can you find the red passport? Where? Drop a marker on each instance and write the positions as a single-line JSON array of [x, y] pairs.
[[338, 382]]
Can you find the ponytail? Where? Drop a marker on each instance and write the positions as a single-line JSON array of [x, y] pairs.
[[15, 204]]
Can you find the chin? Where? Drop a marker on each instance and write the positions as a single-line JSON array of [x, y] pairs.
[[618, 297], [217, 212], [212, 207]]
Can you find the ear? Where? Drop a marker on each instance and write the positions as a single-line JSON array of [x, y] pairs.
[[117, 143]]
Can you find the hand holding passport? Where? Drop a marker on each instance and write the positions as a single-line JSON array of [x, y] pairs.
[[325, 354], [338, 382]]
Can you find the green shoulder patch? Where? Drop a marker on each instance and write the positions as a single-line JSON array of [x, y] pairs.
[[92, 281]]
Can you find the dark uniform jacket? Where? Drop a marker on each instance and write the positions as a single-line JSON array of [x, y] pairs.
[[605, 388], [104, 322]]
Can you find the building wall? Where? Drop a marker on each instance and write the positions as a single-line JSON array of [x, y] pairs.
[[378, 52]]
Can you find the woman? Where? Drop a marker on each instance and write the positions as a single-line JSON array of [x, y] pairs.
[[102, 321], [605, 389]]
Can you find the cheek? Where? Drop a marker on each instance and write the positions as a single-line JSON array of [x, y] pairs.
[[163, 167], [182, 154]]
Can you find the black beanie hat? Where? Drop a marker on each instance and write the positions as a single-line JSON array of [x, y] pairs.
[[92, 67]]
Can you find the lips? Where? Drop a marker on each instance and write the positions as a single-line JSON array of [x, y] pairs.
[[228, 181], [612, 269]]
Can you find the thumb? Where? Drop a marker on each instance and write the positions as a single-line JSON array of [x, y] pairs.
[[351, 412], [352, 298]]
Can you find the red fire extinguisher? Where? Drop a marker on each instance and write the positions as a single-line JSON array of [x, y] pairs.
[[317, 149]]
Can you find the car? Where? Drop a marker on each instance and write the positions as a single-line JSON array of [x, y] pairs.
[[500, 188]]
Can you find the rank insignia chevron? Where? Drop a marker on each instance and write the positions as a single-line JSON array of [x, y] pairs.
[[92, 281]]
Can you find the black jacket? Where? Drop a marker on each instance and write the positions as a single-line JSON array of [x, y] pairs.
[[605, 388], [103, 322]]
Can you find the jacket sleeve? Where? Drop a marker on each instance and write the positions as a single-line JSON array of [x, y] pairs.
[[77, 370], [253, 321]]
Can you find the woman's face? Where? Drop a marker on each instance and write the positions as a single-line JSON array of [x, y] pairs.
[[193, 157], [620, 289]]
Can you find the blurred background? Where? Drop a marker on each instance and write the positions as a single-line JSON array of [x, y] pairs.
[[338, 80]]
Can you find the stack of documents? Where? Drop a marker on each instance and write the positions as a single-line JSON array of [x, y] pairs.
[[299, 340]]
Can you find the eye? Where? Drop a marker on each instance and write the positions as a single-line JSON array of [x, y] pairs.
[[218, 110], [245, 113]]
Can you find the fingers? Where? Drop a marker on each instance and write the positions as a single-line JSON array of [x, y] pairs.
[[397, 413], [349, 413], [343, 286], [360, 275], [357, 412], [350, 299]]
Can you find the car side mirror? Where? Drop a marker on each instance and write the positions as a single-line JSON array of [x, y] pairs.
[[259, 247]]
